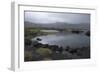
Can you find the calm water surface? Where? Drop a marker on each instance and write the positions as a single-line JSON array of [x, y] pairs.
[[65, 39]]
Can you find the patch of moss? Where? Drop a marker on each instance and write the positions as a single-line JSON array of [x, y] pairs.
[[45, 52], [28, 55]]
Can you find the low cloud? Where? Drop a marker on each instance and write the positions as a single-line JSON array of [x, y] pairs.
[[51, 17]]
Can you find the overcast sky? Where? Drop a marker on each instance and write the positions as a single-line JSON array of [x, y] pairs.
[[50, 17]]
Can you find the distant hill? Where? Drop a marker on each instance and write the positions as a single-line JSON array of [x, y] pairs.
[[58, 25]]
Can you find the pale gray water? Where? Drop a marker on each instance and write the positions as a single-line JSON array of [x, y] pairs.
[[72, 40], [49, 31]]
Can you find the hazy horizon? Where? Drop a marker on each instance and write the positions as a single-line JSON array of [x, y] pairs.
[[51, 17]]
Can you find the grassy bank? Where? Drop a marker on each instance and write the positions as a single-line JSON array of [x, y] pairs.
[[33, 32]]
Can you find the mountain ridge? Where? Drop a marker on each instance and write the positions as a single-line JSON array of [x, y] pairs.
[[57, 25]]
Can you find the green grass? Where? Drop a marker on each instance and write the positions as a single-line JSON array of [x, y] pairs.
[[33, 32], [28, 55], [46, 52]]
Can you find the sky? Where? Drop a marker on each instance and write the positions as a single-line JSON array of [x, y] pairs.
[[51, 17]]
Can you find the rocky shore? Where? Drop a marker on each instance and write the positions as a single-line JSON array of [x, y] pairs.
[[35, 51]]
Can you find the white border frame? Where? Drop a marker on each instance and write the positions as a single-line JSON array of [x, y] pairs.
[[17, 51]]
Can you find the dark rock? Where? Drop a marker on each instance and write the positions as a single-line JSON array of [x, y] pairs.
[[75, 31], [38, 39], [28, 42], [87, 33], [73, 51]]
